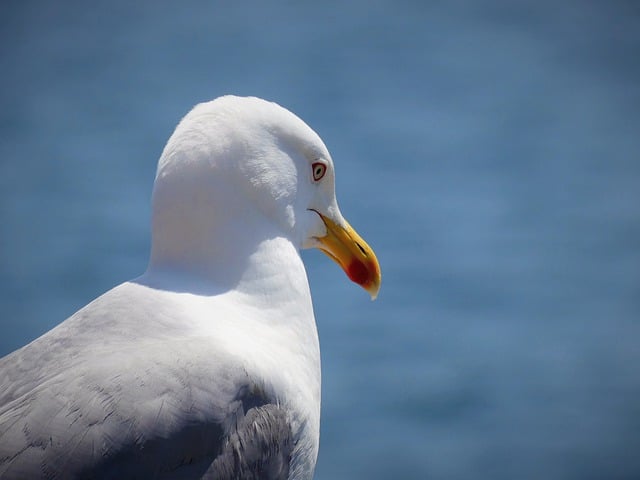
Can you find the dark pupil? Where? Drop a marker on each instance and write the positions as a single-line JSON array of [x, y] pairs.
[[318, 171]]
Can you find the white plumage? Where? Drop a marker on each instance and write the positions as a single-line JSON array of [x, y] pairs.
[[208, 365]]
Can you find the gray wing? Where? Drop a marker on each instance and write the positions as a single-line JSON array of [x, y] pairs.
[[258, 446], [137, 413]]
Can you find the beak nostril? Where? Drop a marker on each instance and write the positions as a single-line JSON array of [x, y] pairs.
[[361, 249]]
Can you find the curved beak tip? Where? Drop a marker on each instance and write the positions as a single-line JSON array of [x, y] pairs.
[[374, 287], [374, 294]]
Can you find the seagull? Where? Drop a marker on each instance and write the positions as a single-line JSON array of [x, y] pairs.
[[207, 366]]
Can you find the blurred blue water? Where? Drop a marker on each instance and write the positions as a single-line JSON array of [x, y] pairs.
[[489, 152]]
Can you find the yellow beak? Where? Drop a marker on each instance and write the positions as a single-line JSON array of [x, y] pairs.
[[351, 252]]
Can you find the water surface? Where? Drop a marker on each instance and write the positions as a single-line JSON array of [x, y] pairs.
[[488, 151]]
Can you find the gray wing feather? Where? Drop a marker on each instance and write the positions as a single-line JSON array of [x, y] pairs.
[[164, 407], [86, 428], [259, 448]]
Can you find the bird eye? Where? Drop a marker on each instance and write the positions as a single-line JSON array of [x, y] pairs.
[[319, 169]]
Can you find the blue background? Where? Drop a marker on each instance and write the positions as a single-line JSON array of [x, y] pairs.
[[489, 151]]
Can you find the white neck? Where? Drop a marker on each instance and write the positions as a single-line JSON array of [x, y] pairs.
[[211, 237]]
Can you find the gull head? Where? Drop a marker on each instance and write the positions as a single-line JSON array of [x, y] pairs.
[[239, 170]]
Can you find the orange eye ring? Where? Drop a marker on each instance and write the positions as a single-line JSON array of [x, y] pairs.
[[318, 169]]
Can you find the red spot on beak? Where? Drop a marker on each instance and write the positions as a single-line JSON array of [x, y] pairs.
[[358, 272]]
